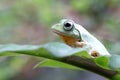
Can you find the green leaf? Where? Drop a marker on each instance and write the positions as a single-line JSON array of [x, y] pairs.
[[102, 61], [114, 62], [56, 64], [49, 51], [116, 77], [61, 50], [55, 51], [83, 54]]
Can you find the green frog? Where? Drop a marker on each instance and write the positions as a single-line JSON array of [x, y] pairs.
[[76, 35]]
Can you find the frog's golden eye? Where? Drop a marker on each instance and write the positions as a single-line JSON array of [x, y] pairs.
[[68, 25]]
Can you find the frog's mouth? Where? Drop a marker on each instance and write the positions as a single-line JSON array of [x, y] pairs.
[[67, 39], [59, 33], [63, 35]]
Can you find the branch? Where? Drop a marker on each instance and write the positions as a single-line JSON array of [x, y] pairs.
[[89, 65]]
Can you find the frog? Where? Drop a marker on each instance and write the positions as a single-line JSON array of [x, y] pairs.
[[75, 35]]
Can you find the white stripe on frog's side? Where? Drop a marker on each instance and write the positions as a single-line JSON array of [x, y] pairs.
[[92, 41]]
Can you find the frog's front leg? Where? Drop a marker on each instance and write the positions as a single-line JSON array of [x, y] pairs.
[[81, 44], [92, 52]]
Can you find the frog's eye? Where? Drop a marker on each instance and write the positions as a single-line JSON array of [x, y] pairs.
[[68, 25]]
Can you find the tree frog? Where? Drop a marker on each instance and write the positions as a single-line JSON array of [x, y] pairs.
[[76, 35]]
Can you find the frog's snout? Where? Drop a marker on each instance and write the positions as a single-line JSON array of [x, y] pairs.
[[53, 26]]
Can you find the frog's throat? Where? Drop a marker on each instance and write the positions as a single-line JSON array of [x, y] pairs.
[[69, 40]]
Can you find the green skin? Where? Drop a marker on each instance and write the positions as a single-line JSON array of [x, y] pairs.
[[83, 38], [58, 28]]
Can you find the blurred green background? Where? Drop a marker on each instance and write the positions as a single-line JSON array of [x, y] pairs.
[[29, 22]]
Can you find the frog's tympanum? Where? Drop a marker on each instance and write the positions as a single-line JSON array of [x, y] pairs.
[[75, 35]]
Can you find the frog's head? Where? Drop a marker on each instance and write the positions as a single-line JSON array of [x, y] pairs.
[[66, 28]]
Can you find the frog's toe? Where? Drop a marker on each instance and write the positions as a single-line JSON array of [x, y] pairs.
[[80, 44], [94, 53]]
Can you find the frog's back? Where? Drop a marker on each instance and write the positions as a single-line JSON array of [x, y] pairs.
[[92, 41]]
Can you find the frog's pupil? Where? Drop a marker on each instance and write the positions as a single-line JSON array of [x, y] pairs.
[[67, 25]]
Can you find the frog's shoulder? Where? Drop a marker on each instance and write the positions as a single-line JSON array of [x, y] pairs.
[[94, 42], [85, 35]]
